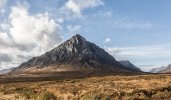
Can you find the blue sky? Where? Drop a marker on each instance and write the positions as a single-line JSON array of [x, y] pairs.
[[135, 30]]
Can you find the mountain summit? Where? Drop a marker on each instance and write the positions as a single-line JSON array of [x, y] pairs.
[[74, 54]]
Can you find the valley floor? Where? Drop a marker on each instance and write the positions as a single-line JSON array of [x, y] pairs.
[[138, 87]]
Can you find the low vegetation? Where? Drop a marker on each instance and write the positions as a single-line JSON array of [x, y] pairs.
[[142, 87]]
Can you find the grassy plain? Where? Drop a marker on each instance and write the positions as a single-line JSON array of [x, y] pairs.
[[138, 87]]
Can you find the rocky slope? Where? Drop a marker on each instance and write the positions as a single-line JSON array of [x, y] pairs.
[[129, 65], [74, 54]]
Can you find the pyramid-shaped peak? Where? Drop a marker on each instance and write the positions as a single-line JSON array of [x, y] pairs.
[[78, 39], [75, 54], [77, 36]]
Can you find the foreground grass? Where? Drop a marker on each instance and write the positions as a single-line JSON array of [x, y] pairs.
[[143, 87]]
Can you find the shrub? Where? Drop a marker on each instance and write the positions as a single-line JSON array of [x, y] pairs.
[[162, 96], [46, 96], [26, 92], [99, 95]]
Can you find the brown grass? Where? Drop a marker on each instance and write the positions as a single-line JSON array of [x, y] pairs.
[[140, 87]]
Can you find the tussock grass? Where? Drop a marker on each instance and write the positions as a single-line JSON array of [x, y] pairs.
[[46, 96], [140, 87]]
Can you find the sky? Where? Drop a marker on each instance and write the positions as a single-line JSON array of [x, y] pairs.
[[134, 30]]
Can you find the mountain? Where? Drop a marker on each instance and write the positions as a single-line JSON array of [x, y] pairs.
[[129, 65], [4, 71], [157, 70], [75, 54], [162, 69], [166, 70]]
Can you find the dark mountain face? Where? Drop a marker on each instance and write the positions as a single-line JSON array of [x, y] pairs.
[[75, 53], [129, 65]]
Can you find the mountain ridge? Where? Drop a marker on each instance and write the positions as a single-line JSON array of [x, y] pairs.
[[127, 63], [73, 55], [167, 69], [163, 69]]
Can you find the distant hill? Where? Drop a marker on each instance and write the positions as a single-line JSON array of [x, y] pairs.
[[167, 69], [157, 70], [75, 54], [129, 65], [4, 71], [162, 69]]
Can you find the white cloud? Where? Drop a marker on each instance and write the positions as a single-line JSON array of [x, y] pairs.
[[107, 40], [132, 24], [143, 51], [154, 55], [129, 22], [2, 10], [4, 39], [60, 20], [29, 35], [4, 26], [76, 6], [2, 3], [148, 52], [74, 28], [73, 6], [5, 58], [118, 21], [32, 29], [73, 9]]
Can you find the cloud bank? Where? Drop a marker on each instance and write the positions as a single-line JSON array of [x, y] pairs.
[[141, 55], [5, 58], [26, 34], [2, 3], [77, 6], [107, 40]]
